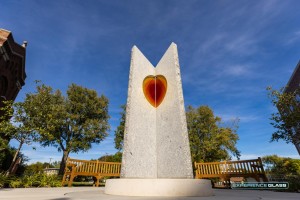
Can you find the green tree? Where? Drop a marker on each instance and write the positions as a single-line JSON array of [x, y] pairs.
[[55, 164], [37, 167], [71, 123], [284, 168], [287, 120], [14, 124], [5, 115], [6, 158], [119, 133], [209, 140], [4, 152], [281, 166], [117, 157]]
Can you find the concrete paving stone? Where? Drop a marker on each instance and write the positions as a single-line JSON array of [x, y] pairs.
[[93, 193], [41, 193]]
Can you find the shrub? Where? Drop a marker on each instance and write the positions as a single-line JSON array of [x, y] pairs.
[[15, 183], [294, 183], [30, 181], [3, 180], [35, 180], [41, 180], [8, 181]]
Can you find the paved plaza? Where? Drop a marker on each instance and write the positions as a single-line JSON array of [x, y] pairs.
[[93, 193]]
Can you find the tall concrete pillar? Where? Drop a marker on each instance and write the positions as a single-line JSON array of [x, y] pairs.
[[156, 159], [156, 138]]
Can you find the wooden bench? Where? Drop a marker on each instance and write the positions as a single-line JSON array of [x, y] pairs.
[[97, 169], [227, 169]]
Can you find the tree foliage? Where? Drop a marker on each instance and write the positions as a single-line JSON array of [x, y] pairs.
[[287, 120], [71, 123], [35, 168], [117, 157], [281, 165], [14, 124], [38, 167], [209, 140], [119, 132], [287, 169]]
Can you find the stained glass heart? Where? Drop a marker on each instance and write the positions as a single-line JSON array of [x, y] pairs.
[[155, 88]]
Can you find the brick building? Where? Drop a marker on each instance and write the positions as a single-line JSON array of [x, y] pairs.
[[294, 82], [293, 85], [12, 66]]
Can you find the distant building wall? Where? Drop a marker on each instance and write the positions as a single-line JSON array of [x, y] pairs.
[[51, 171]]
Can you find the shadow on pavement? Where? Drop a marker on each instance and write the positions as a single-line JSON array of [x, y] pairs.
[[6, 189]]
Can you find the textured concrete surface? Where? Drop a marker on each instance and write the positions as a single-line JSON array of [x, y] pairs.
[[139, 155], [159, 187], [90, 193], [156, 141], [173, 149]]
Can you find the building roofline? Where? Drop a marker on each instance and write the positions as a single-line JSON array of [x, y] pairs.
[[7, 41], [5, 30], [291, 78]]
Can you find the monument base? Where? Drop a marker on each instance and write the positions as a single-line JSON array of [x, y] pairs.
[[159, 187]]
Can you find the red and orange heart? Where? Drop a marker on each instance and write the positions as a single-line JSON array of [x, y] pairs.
[[155, 88]]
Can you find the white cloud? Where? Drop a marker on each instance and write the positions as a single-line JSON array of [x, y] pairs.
[[244, 44], [249, 156], [228, 118], [237, 70], [294, 38], [249, 118]]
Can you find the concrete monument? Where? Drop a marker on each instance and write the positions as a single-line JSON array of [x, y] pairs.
[[156, 158]]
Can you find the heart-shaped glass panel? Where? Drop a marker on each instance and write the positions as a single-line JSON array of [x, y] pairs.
[[155, 88]]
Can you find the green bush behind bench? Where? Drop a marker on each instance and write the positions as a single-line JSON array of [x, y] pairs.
[[27, 181]]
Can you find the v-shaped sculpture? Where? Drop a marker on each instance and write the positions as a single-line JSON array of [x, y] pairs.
[[156, 157], [155, 129]]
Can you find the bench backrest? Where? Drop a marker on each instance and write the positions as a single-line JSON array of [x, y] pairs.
[[94, 167], [219, 169]]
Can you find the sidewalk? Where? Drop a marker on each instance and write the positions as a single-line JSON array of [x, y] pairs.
[[41, 193], [93, 193]]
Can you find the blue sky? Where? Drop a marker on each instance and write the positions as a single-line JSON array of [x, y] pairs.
[[229, 52]]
